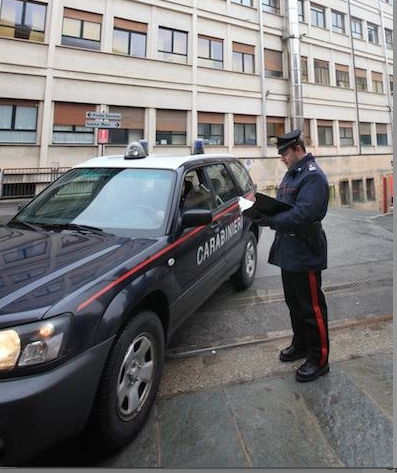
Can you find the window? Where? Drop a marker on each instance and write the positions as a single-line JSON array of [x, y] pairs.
[[318, 15], [245, 130], [275, 127], [321, 72], [243, 179], [247, 3], [357, 28], [273, 63], [69, 124], [301, 11], [325, 134], [243, 58], [358, 190], [346, 133], [370, 186], [81, 29], [18, 121], [129, 37], [391, 83], [373, 33], [377, 82], [338, 22], [210, 128], [361, 79], [171, 127], [271, 6], [196, 193], [210, 52], [344, 192], [365, 134], [173, 44], [24, 20], [222, 183], [389, 38], [381, 134], [342, 75], [132, 125], [304, 73]]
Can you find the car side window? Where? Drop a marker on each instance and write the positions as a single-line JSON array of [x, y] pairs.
[[242, 177], [222, 183], [195, 191]]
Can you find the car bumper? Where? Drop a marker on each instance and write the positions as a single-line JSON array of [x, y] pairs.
[[39, 410]]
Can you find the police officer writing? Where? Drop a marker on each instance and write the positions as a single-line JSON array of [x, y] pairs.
[[300, 250]]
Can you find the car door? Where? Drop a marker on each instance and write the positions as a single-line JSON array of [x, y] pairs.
[[199, 261], [227, 212]]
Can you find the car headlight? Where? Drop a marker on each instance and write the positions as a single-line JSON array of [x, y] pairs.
[[32, 344]]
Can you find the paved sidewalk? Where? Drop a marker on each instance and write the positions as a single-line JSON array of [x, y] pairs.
[[241, 407]]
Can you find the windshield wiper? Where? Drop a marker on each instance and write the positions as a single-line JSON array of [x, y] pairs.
[[31, 226], [73, 226]]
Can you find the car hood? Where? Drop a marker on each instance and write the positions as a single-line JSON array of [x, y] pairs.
[[37, 269]]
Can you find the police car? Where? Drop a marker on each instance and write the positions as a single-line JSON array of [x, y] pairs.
[[96, 274]]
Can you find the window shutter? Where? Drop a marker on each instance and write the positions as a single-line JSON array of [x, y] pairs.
[[130, 25], [245, 119], [345, 124], [243, 48], [377, 76], [361, 73], [322, 64], [171, 120], [71, 113], [324, 123], [82, 15], [23, 103], [273, 60], [365, 128], [210, 38], [381, 128], [131, 118], [211, 118], [341, 67]]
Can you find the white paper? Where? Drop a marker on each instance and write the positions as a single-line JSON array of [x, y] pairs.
[[245, 204]]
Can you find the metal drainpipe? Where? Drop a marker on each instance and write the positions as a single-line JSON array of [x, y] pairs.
[[382, 25], [263, 81], [293, 38], [355, 80]]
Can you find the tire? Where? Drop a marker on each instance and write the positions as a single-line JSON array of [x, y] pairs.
[[129, 381], [244, 276]]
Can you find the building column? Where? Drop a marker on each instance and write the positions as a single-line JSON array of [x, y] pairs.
[[107, 35], [373, 134], [336, 134], [150, 128], [229, 132]]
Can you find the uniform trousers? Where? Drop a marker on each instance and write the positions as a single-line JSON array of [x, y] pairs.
[[308, 312]]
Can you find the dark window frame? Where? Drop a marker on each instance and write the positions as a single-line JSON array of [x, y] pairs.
[[23, 25], [272, 6], [210, 135], [336, 28], [321, 69], [373, 30], [244, 125], [85, 42], [130, 33], [344, 79], [325, 135], [319, 12], [171, 134], [355, 33], [173, 31], [243, 62], [210, 58]]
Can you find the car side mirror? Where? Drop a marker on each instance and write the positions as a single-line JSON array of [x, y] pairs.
[[196, 218]]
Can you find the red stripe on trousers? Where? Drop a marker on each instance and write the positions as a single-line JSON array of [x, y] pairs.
[[319, 317]]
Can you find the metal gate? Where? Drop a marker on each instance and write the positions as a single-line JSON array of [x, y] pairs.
[[26, 182]]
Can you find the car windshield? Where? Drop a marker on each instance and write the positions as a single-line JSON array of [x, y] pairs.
[[125, 202]]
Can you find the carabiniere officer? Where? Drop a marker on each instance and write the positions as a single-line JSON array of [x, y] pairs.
[[300, 250]]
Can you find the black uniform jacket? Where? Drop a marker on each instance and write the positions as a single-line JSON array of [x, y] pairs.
[[306, 188]]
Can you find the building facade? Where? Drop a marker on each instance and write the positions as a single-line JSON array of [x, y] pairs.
[[214, 69]]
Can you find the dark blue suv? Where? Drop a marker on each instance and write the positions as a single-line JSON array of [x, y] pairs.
[[96, 274]]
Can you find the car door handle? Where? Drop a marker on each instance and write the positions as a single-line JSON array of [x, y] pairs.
[[216, 226]]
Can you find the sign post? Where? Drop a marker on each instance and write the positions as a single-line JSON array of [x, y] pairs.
[[103, 121]]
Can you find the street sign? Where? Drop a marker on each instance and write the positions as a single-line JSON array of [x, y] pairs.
[[102, 123], [103, 136], [102, 116]]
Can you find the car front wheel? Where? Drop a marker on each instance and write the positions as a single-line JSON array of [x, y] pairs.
[[244, 276], [130, 381]]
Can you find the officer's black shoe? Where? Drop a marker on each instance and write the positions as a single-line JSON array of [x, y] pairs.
[[309, 371], [292, 353]]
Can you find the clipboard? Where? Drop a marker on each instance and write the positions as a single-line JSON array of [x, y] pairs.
[[266, 206]]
